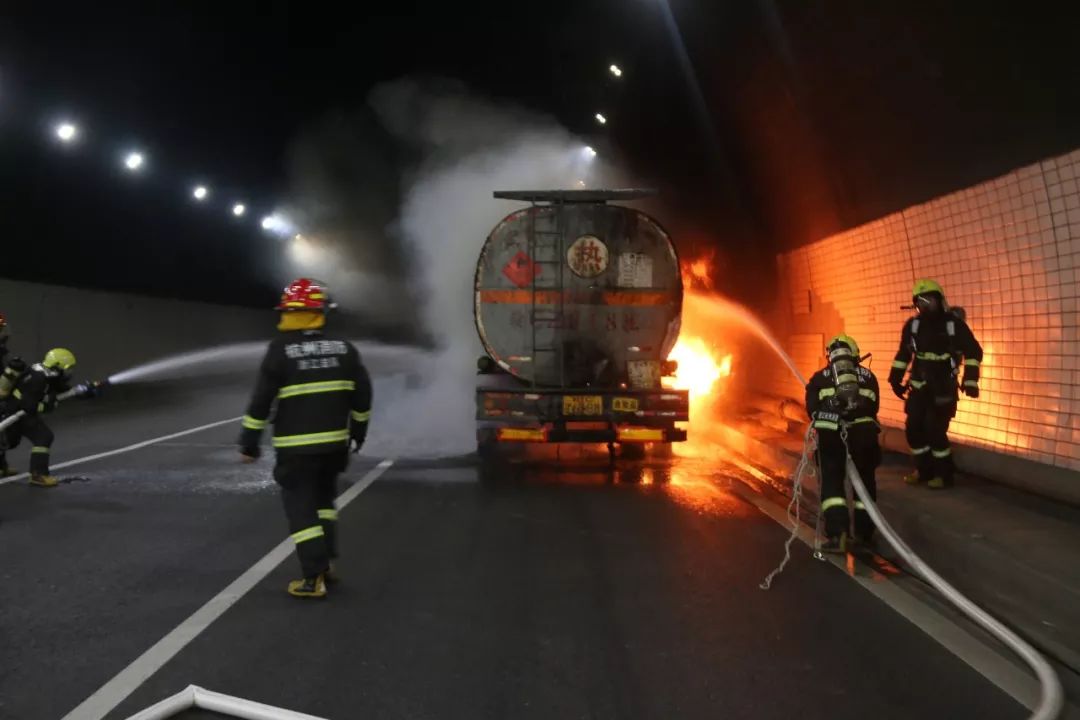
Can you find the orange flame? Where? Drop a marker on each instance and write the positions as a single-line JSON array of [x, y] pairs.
[[701, 363]]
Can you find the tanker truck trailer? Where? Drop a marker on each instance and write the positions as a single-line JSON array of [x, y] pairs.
[[577, 304]]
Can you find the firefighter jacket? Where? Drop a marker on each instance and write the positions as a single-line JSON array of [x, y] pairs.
[[935, 348], [36, 390], [322, 391], [827, 408]]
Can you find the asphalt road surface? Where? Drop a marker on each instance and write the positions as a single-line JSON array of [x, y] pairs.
[[530, 590]]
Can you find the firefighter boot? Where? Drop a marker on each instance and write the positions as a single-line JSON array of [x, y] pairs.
[[331, 576], [936, 483], [43, 480], [838, 544], [313, 587]]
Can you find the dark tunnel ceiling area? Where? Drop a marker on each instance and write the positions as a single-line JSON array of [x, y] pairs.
[[816, 117]]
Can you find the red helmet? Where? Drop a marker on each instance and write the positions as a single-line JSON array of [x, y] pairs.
[[305, 294]]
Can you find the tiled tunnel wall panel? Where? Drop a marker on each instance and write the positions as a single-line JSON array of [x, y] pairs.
[[1008, 251]]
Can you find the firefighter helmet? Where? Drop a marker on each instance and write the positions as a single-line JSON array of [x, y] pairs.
[[844, 343], [60, 359], [923, 287], [305, 294]]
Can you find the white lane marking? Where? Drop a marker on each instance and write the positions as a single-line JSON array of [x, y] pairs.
[[955, 638], [129, 448], [112, 693]]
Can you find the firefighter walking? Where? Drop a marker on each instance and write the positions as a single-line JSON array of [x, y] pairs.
[[935, 344], [35, 393], [843, 397], [323, 397]]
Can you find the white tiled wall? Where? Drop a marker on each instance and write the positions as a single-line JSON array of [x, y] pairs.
[[1008, 251]]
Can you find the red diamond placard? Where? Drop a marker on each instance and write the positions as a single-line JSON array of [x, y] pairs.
[[521, 269]]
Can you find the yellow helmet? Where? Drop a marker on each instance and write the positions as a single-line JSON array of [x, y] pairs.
[[842, 340], [59, 359], [927, 286]]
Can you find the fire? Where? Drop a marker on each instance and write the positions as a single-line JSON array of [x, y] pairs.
[[699, 367]]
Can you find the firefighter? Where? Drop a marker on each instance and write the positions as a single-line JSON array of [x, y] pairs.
[[323, 396], [12, 367], [36, 393], [935, 343], [844, 396]]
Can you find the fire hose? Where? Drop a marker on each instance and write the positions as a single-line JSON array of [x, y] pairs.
[[1052, 696], [83, 390]]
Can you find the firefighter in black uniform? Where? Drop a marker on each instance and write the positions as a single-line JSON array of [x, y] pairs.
[[844, 395], [323, 396], [36, 393], [11, 366], [934, 343]]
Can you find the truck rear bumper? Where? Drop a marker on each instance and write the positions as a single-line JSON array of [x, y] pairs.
[[580, 416]]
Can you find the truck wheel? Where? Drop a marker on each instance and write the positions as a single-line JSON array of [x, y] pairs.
[[632, 451]]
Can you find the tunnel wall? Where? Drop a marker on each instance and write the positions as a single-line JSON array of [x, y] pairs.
[[1006, 250], [109, 332]]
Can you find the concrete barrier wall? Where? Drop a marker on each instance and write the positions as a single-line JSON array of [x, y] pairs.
[[1008, 251], [109, 332]]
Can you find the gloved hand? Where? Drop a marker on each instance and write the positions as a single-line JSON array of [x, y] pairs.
[[972, 391], [250, 454], [899, 390], [356, 438]]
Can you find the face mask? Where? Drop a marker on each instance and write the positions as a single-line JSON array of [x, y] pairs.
[[928, 304]]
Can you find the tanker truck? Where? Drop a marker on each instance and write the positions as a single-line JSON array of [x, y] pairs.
[[577, 305]]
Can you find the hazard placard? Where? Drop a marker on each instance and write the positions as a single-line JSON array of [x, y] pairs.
[[521, 269]]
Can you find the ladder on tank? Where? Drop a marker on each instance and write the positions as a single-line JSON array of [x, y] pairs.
[[545, 243]]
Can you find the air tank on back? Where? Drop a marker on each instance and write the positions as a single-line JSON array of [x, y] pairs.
[[574, 292]]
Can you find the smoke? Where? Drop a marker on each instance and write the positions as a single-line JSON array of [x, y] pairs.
[[409, 257]]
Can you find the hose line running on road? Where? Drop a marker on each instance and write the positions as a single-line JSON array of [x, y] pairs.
[[1052, 696], [806, 466]]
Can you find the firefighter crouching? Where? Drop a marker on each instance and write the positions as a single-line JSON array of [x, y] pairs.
[[35, 393], [934, 343], [323, 396], [844, 395]]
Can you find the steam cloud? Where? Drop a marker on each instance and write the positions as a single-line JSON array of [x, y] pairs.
[[406, 254]]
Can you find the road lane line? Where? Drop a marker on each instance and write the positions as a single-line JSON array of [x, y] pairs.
[[115, 691], [129, 448]]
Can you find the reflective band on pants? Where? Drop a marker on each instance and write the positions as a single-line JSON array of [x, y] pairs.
[[920, 451], [39, 450], [315, 531], [360, 416], [328, 514], [833, 502], [943, 453]]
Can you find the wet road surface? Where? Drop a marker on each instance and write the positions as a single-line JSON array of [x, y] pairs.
[[521, 591]]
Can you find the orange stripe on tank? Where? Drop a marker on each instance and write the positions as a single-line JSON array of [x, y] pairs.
[[551, 297]]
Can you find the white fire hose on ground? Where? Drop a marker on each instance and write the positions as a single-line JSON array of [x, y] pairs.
[[1052, 696]]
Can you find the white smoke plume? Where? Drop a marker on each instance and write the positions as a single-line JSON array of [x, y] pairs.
[[420, 266]]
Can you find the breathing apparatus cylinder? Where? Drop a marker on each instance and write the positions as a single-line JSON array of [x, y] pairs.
[[843, 361]]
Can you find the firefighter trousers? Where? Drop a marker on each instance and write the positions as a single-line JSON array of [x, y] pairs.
[[308, 488], [927, 430], [832, 460], [41, 437]]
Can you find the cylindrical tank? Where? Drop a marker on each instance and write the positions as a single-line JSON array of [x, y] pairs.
[[579, 294]]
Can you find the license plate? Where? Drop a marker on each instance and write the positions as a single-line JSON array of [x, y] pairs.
[[582, 405], [624, 404]]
